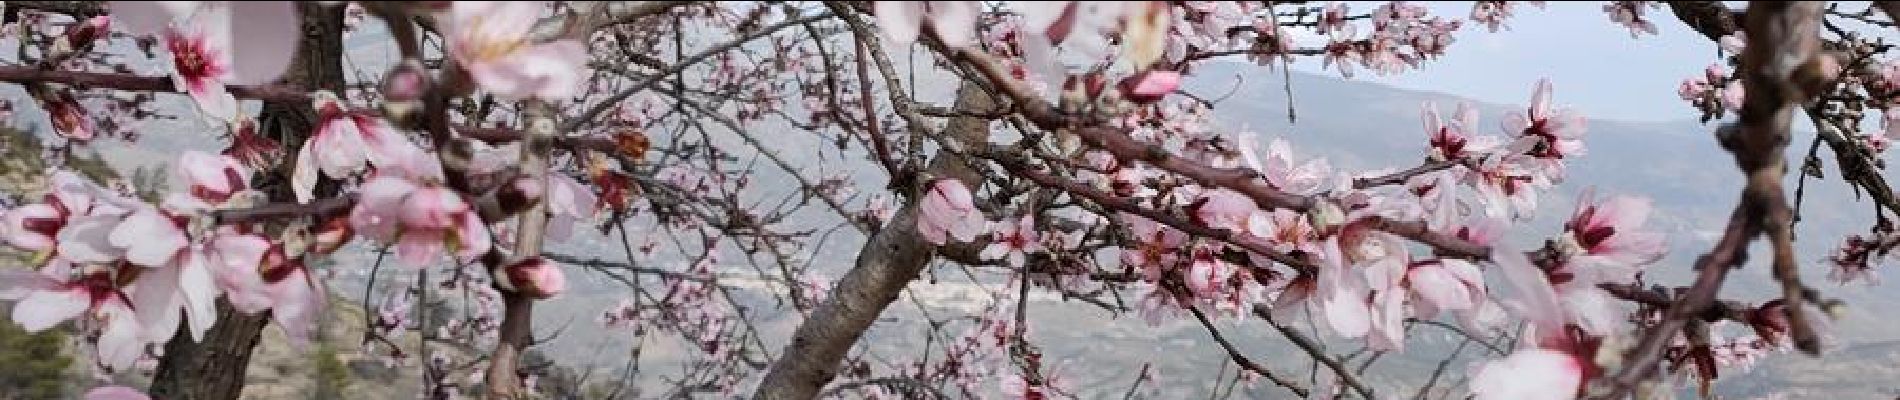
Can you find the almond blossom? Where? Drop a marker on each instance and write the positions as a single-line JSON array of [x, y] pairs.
[[1532, 374], [1013, 241], [1507, 186], [1548, 135], [64, 291], [204, 55], [1630, 14], [536, 277], [1155, 246], [344, 142], [948, 212], [1559, 358], [407, 205], [258, 274], [954, 22], [1455, 139], [1280, 169], [115, 393], [568, 203], [35, 227], [1608, 236], [492, 41]]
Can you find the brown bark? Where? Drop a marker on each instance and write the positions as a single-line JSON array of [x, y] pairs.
[[888, 262], [214, 368]]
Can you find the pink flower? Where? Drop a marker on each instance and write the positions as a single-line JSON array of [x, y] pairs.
[[344, 142], [269, 30], [1609, 235], [115, 393], [1552, 299], [1437, 194], [210, 181], [536, 277], [1332, 18], [1013, 241], [35, 226], [72, 223], [62, 291], [205, 55], [1053, 19], [1341, 50], [1444, 285], [491, 40], [409, 207], [252, 149], [1547, 134], [954, 22], [568, 202], [1454, 140], [1150, 86], [1531, 374], [1286, 230], [200, 68], [1630, 14], [1156, 246], [1224, 209], [1492, 14], [1359, 263], [947, 211], [257, 275], [1280, 169], [1208, 273], [1693, 89], [1507, 186]]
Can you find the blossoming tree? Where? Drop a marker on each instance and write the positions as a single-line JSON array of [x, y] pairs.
[[1068, 159]]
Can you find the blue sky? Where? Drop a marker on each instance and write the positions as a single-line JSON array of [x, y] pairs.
[[1595, 65]]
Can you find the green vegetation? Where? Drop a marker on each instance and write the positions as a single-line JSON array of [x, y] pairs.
[[36, 363]]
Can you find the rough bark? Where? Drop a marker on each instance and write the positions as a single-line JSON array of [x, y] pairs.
[[888, 262], [214, 368]]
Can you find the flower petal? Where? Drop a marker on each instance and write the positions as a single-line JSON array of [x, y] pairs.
[[149, 238], [144, 18], [900, 20], [303, 177], [270, 34], [86, 240], [200, 292], [45, 308], [1535, 374], [159, 304], [116, 393]]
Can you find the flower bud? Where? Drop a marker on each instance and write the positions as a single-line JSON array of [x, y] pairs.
[[403, 88], [1150, 86], [536, 277], [82, 34]]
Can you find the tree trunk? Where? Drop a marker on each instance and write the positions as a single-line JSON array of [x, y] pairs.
[[214, 369], [890, 259]]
